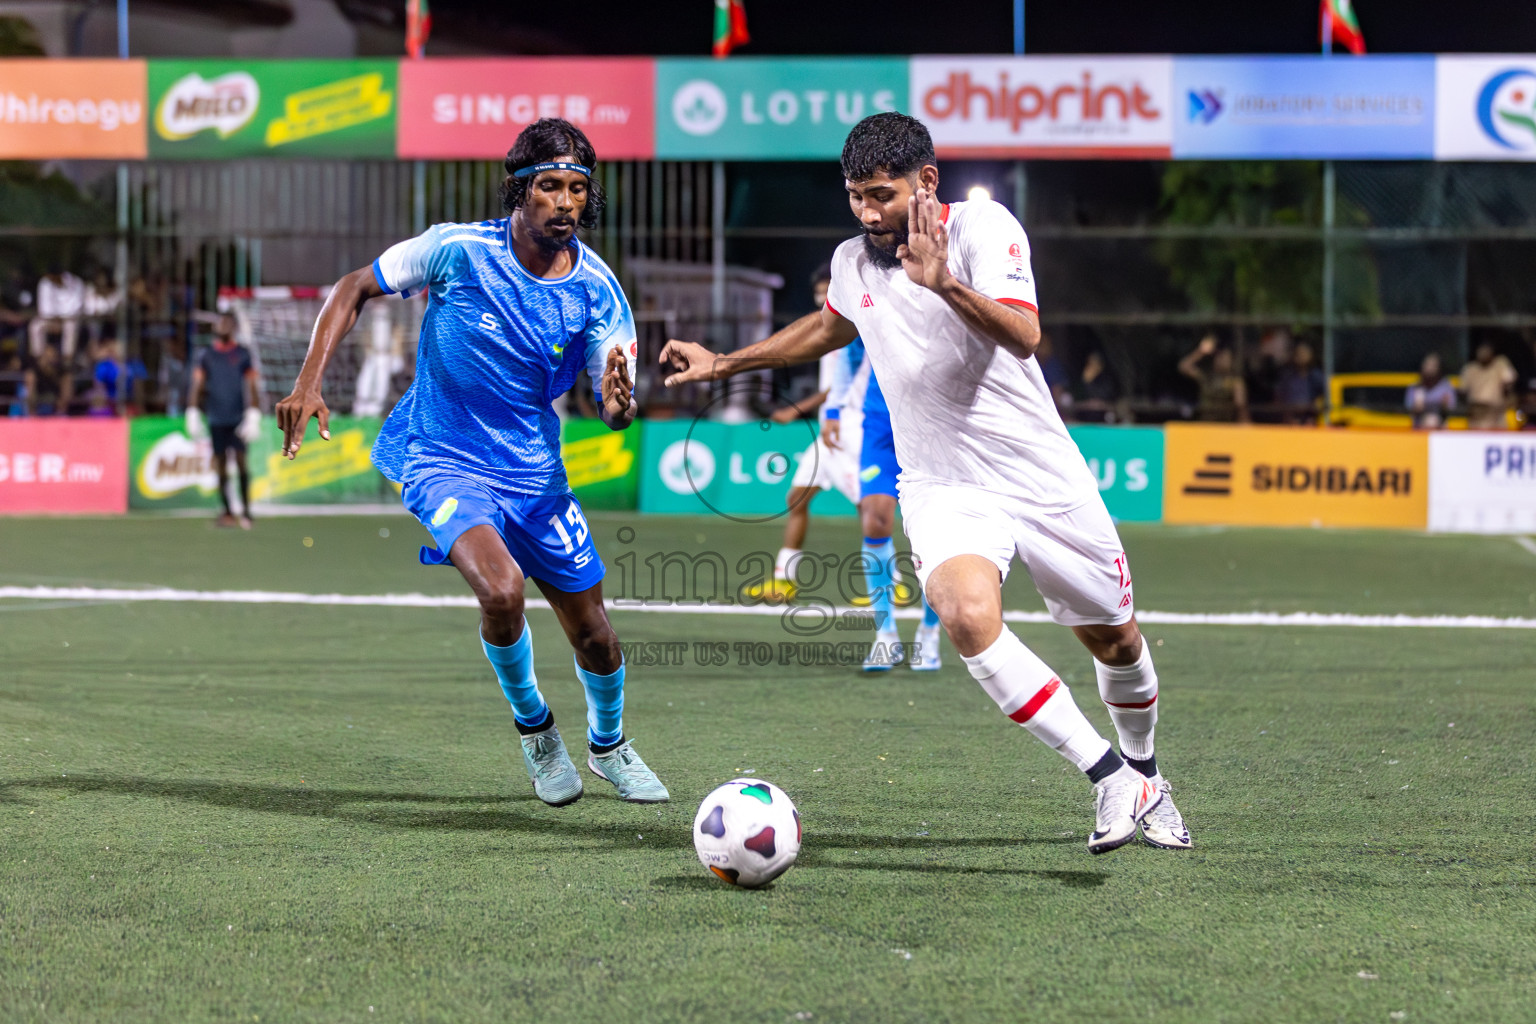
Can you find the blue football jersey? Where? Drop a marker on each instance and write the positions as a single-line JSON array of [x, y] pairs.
[[498, 346]]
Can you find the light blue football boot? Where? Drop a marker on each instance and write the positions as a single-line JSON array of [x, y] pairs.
[[555, 779], [629, 775]]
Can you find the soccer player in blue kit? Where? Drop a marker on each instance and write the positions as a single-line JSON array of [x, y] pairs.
[[517, 308]]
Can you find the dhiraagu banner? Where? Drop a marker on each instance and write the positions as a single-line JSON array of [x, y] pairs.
[[1128, 464], [757, 108], [171, 470], [223, 109]]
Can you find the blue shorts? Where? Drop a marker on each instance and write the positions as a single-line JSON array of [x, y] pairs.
[[547, 535], [877, 456]]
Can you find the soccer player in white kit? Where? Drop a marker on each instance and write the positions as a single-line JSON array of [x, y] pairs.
[[944, 299]]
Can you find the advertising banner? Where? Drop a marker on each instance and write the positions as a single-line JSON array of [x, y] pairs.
[[472, 108], [1128, 464], [1295, 476], [736, 470], [226, 109], [602, 465], [57, 465], [171, 470], [752, 108], [1244, 108], [1482, 482], [1067, 107], [1485, 107], [62, 109]]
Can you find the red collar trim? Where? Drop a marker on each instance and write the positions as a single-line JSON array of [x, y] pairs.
[[944, 214]]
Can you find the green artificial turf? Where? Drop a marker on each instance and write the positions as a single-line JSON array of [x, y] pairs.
[[288, 813]]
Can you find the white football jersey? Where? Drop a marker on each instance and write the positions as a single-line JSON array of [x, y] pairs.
[[963, 409]]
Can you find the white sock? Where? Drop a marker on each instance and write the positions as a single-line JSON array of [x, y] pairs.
[[1130, 694], [781, 565], [1028, 692]]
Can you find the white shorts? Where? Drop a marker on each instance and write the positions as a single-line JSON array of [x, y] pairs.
[[1074, 557], [831, 469]]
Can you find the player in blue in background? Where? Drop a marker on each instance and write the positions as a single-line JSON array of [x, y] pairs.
[[517, 308]]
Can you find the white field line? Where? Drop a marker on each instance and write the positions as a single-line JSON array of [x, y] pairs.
[[1153, 618], [1527, 543]]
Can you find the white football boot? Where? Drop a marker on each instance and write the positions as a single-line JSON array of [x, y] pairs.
[[926, 650], [1120, 803], [1164, 826]]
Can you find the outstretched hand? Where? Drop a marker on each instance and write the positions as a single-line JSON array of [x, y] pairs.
[[294, 414], [618, 389], [925, 257], [693, 362]]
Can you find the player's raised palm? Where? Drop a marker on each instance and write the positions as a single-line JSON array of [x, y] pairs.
[[618, 389], [925, 257]]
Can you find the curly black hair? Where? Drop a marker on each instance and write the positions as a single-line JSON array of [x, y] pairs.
[[547, 139], [897, 144]]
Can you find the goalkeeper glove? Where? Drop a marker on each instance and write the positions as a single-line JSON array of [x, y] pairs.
[[250, 425], [195, 428]]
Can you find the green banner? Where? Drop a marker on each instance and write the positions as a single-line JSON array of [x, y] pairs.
[[750, 108], [170, 470], [698, 467], [224, 109], [1128, 463], [603, 465]]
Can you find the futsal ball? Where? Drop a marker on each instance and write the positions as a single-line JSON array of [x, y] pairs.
[[747, 832]]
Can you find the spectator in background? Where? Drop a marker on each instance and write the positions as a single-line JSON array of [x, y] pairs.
[[1489, 381], [100, 308], [1055, 374], [1432, 398], [49, 385], [233, 388], [13, 379], [1275, 355], [1300, 387], [114, 378], [60, 302], [1095, 392], [1223, 395]]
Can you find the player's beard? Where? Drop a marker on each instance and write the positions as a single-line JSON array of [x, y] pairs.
[[549, 243], [881, 256]]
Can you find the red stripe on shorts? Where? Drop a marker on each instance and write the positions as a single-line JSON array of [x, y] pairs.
[[1034, 703]]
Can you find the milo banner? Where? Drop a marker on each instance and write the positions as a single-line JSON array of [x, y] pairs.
[[736, 470], [603, 465], [225, 109], [171, 470]]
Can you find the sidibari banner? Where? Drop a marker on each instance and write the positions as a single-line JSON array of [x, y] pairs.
[[750, 108], [1293, 476], [55, 465], [87, 109], [1485, 107], [1128, 464], [739, 471], [1304, 108], [472, 109], [225, 109], [1482, 482], [1067, 107]]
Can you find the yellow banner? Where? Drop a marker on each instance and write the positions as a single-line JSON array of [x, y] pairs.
[[1295, 476], [330, 108]]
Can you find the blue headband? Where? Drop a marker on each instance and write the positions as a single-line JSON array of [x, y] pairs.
[[556, 165]]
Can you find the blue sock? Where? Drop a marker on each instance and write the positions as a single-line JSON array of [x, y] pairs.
[[880, 577], [930, 617], [605, 705], [514, 669]]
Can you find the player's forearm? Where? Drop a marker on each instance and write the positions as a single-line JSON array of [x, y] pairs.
[[804, 340], [337, 318], [1007, 327]]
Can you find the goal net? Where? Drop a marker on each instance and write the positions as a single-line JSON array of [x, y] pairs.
[[372, 366]]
